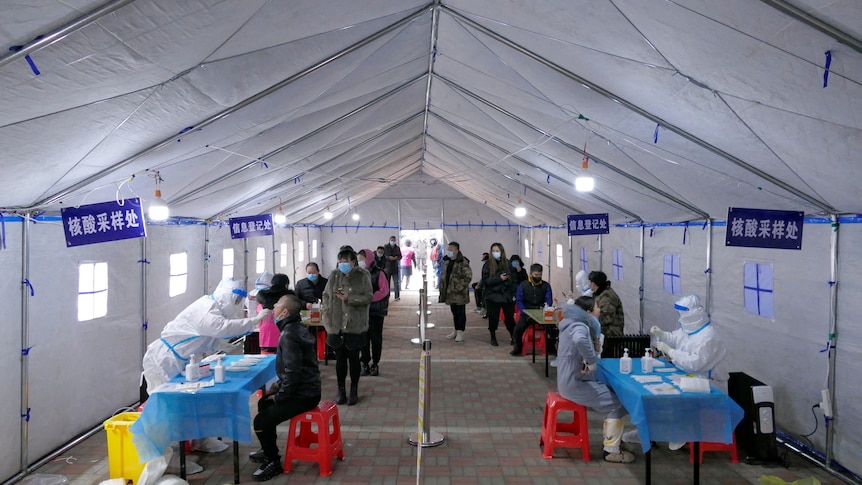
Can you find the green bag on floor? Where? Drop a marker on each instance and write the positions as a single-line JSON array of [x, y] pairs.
[[773, 480]]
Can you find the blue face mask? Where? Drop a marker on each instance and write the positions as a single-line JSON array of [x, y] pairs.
[[345, 267], [312, 277], [496, 254], [515, 264], [450, 255]]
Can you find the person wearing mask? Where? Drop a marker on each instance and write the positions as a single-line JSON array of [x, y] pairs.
[[205, 326], [436, 255], [380, 260], [532, 293], [612, 317], [455, 288], [519, 272], [344, 314], [310, 289], [408, 262], [377, 311], [479, 293], [695, 348], [499, 290], [576, 376], [583, 284], [392, 253], [269, 332], [296, 391]]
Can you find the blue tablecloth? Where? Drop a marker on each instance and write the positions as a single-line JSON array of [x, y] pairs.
[[221, 410], [686, 416]]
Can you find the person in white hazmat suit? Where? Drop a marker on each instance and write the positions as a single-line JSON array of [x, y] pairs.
[[582, 283], [206, 325], [576, 376], [695, 347]]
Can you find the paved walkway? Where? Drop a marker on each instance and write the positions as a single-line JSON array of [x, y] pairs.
[[488, 406]]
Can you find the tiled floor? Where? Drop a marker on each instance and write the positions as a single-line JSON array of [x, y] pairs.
[[488, 406]]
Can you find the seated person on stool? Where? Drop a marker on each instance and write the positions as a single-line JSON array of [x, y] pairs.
[[532, 293], [694, 347], [576, 376], [297, 389]]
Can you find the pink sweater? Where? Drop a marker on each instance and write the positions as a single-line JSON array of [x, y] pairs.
[[268, 330]]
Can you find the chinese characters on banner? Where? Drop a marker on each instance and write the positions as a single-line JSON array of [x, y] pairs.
[[251, 226], [585, 224], [756, 228], [107, 221]]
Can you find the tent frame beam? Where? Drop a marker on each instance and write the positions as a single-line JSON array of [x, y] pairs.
[[815, 23]]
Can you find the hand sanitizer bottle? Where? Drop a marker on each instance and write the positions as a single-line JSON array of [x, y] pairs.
[[219, 372], [192, 369], [625, 362], [646, 362]]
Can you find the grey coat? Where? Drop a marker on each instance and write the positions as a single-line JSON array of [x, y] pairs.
[[575, 348], [351, 316]]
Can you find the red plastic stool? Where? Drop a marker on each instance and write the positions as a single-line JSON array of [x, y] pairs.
[[321, 446], [321, 343], [708, 446], [577, 435], [535, 335], [517, 315]]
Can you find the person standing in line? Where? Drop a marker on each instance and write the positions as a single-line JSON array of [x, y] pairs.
[[408, 262], [297, 389], [455, 288], [392, 253], [499, 289], [519, 272], [612, 316], [420, 249], [436, 261], [532, 293], [377, 311], [380, 261], [344, 314]]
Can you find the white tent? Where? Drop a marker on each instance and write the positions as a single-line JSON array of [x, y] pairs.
[[439, 115]]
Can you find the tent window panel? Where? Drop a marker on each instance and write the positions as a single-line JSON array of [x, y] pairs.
[[300, 252], [585, 263], [671, 274], [227, 263], [526, 248], [260, 260], [178, 278], [314, 249], [758, 289], [618, 264], [282, 252], [92, 291], [559, 255], [540, 253]]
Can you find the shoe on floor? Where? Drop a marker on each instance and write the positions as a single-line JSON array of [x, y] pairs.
[[451, 335], [192, 468], [484, 315], [494, 342], [209, 445], [553, 362], [365, 370], [515, 353], [621, 457], [268, 470], [397, 298], [477, 310], [257, 456], [675, 445], [632, 436], [375, 371], [459, 336]]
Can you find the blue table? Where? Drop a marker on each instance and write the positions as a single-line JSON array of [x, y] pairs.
[[687, 416], [221, 410]]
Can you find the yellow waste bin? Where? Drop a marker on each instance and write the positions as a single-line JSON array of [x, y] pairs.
[[123, 461]]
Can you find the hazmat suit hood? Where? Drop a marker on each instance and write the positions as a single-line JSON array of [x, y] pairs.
[[692, 316], [262, 282], [229, 296], [583, 283]]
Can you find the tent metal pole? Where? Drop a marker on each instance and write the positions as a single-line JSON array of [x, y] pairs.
[[308, 247], [708, 296], [64, 31], [206, 256], [816, 23], [144, 322], [293, 246], [601, 252], [833, 332], [432, 55], [242, 104], [272, 241], [642, 257], [245, 263], [642, 112], [25, 339], [550, 255], [572, 268]]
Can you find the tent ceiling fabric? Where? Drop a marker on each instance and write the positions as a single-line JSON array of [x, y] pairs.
[[684, 107]]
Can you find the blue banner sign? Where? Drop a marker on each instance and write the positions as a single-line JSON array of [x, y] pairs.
[[585, 224], [107, 221], [757, 228], [251, 226]]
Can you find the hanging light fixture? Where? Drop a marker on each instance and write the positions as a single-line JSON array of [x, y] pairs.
[[158, 210], [520, 210], [355, 215], [327, 214], [279, 216], [585, 183]]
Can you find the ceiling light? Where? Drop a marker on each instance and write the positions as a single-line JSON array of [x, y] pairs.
[[355, 216], [279, 217], [520, 211], [327, 215], [158, 210], [584, 184]]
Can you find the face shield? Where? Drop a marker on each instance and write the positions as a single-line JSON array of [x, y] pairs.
[[692, 316], [229, 296], [582, 281]]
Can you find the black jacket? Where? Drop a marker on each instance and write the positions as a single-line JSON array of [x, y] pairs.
[[308, 292], [378, 308], [296, 361], [497, 290]]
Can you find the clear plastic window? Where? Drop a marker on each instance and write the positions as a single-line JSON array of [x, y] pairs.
[[758, 289], [178, 279], [227, 263], [92, 291]]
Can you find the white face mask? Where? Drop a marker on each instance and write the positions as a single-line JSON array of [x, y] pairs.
[[360, 263]]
